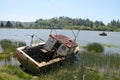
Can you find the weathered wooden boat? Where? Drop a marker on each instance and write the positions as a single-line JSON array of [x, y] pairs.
[[103, 34], [57, 48]]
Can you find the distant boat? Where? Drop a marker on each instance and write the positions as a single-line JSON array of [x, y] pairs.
[[57, 48], [103, 34]]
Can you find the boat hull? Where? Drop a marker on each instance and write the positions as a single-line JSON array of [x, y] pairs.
[[32, 66], [27, 63]]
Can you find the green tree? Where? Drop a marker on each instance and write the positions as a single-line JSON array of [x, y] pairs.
[[99, 25], [9, 25], [19, 25], [96, 24], [66, 22], [88, 23], [114, 25], [2, 24]]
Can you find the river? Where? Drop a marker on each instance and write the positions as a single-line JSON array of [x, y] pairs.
[[84, 37]]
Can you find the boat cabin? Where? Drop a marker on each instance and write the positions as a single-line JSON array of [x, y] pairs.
[[61, 44]]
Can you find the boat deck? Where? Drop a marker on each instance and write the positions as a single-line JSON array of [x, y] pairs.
[[38, 53]]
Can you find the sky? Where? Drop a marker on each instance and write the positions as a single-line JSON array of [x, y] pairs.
[[32, 10]]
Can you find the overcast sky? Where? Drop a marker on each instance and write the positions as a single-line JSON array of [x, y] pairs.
[[31, 10]]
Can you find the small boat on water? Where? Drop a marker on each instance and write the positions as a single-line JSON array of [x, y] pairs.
[[57, 48], [103, 34]]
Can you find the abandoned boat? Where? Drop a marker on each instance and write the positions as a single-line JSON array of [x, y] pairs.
[[55, 49]]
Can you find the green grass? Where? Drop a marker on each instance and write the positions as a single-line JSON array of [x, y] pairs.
[[95, 67], [9, 48], [13, 73], [106, 45], [101, 60], [62, 73], [108, 65], [110, 45], [66, 72]]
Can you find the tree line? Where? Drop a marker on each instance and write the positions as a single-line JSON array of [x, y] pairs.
[[9, 24], [66, 23], [76, 23]]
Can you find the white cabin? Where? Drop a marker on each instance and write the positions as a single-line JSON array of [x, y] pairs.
[[61, 44]]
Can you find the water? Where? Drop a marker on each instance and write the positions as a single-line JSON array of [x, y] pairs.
[[84, 37]]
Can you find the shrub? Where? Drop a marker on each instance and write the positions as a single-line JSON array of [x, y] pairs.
[[95, 47]]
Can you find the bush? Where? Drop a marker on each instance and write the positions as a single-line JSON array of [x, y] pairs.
[[95, 47]]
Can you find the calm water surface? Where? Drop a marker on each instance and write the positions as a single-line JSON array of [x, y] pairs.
[[84, 37]]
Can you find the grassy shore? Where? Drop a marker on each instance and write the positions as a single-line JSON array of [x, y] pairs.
[[87, 67]]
